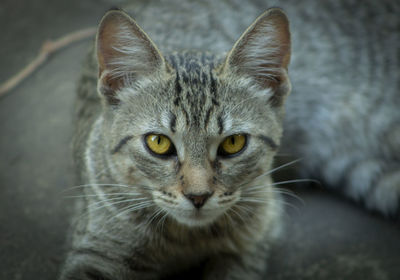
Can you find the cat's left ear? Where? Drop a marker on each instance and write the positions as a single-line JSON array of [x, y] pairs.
[[124, 54], [263, 54]]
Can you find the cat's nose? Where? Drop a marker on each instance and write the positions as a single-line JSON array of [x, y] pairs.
[[198, 200]]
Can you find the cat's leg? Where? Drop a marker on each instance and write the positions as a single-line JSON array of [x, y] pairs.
[[92, 264], [102, 253], [370, 177], [249, 266], [377, 184], [89, 267]]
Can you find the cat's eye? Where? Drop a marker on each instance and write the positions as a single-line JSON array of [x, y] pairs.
[[232, 145], [159, 144]]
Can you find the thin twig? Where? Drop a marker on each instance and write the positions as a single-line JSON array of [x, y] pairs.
[[46, 50]]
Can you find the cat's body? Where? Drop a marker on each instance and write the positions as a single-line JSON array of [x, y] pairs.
[[336, 84]]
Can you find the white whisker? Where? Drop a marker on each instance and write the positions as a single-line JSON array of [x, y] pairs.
[[105, 194], [106, 204], [278, 168], [130, 209], [278, 191], [105, 185], [237, 213], [295, 181], [266, 201]]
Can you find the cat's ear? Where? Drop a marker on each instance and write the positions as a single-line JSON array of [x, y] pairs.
[[124, 54], [263, 53]]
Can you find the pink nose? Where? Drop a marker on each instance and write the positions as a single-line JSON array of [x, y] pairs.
[[198, 200]]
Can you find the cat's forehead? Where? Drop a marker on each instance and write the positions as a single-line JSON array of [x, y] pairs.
[[194, 72], [192, 63], [195, 94]]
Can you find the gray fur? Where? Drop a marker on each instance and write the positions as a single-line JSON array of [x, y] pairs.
[[137, 220], [343, 116], [342, 120]]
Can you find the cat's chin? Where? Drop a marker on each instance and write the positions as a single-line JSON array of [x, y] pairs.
[[195, 218]]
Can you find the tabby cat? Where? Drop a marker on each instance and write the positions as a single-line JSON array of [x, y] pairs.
[[175, 138]]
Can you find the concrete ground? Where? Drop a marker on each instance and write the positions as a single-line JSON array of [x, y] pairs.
[[327, 237]]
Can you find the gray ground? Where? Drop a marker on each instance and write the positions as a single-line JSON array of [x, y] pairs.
[[327, 236]]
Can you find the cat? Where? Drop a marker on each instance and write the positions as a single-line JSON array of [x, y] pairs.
[[175, 138], [177, 164]]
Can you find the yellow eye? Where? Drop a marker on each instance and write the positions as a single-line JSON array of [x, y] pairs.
[[159, 144], [232, 144]]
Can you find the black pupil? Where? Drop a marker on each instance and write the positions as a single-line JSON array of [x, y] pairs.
[[158, 140], [233, 140]]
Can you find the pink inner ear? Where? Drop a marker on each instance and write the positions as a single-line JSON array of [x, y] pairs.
[[107, 40], [122, 46], [110, 82], [281, 24], [124, 53], [263, 51], [110, 93]]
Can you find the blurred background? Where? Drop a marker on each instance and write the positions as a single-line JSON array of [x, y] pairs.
[[327, 237]]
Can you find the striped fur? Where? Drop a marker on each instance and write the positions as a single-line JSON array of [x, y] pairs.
[[138, 220]]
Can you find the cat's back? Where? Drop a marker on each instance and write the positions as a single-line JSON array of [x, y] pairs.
[[342, 116]]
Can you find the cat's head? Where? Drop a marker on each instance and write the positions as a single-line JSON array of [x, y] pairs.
[[194, 129]]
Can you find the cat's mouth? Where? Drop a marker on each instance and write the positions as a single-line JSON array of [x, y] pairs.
[[188, 211]]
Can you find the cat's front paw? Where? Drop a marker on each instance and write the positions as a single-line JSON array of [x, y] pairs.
[[235, 268], [385, 195], [83, 273]]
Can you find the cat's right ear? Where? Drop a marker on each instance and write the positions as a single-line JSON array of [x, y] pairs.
[[124, 54]]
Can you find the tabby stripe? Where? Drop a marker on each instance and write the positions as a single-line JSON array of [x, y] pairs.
[[213, 84], [172, 123], [220, 125], [178, 87], [120, 144], [215, 102], [268, 141]]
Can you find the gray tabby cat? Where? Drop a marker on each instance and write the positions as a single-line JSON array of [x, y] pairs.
[[174, 146], [178, 159]]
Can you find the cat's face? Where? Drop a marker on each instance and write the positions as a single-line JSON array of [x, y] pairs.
[[195, 154], [191, 132]]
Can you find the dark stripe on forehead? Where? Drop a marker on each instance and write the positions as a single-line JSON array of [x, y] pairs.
[[120, 144], [172, 122], [220, 124], [177, 100], [215, 102], [268, 141], [213, 85], [178, 87]]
